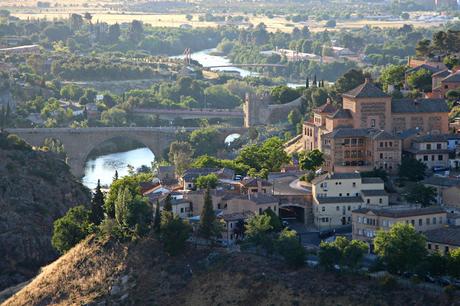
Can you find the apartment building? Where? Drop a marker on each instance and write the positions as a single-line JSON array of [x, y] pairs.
[[353, 136], [368, 221], [336, 195], [432, 150], [443, 240], [447, 190]]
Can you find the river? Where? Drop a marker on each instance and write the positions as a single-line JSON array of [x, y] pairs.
[[103, 167], [207, 58]]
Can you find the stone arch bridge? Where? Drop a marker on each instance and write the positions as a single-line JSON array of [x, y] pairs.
[[78, 143]]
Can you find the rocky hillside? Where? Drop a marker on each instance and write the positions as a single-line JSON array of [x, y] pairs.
[[105, 272], [35, 189]]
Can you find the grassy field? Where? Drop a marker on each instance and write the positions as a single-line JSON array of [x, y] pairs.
[[175, 20]]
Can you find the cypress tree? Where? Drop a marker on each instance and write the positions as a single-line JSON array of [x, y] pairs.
[[207, 218], [314, 81], [307, 83], [115, 177], [168, 204], [97, 205], [157, 220]]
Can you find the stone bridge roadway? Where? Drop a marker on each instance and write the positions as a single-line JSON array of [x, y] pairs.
[[78, 143], [190, 113]]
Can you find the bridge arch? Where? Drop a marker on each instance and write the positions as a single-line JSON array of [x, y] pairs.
[[78, 143]]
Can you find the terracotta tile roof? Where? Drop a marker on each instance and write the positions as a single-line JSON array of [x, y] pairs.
[[341, 114], [366, 90], [326, 108]]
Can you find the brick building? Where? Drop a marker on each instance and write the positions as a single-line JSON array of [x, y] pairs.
[[364, 133]]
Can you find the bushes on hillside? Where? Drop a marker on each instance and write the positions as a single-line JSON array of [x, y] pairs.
[[73, 227]]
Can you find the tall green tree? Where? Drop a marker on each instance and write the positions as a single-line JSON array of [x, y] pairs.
[[420, 80], [258, 231], [207, 218], [289, 247], [97, 205], [174, 233], [420, 194], [275, 220], [207, 181], [311, 160], [411, 169], [402, 248], [157, 218], [350, 80], [168, 203]]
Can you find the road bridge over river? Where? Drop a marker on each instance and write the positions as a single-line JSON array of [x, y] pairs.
[[78, 143]]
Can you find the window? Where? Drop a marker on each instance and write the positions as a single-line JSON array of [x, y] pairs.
[[425, 157], [338, 208], [349, 208], [323, 208], [360, 220], [354, 184], [427, 221], [372, 122], [434, 220], [340, 194], [428, 146], [348, 194], [368, 201], [385, 223], [438, 146], [420, 222], [412, 222], [380, 201], [440, 220], [381, 155], [181, 209], [381, 144], [260, 211], [429, 246], [440, 157], [432, 157], [446, 250]]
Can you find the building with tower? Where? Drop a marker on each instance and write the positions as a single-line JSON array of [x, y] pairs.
[[364, 133]]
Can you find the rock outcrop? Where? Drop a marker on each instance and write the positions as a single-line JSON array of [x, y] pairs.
[[36, 188]]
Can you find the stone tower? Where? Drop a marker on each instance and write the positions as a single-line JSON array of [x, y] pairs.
[[256, 111]]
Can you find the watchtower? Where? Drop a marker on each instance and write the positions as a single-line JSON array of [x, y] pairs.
[[256, 109]]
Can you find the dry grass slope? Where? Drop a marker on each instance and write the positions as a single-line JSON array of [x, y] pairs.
[[77, 278], [140, 273]]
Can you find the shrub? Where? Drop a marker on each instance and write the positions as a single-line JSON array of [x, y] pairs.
[[73, 227], [290, 248]]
